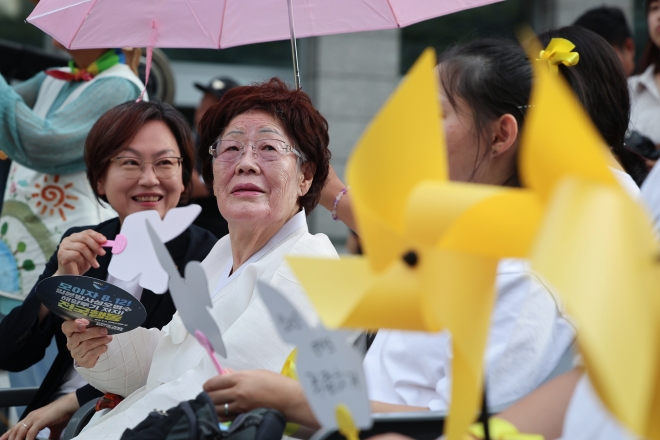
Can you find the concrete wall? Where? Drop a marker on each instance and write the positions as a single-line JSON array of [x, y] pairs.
[[348, 77]]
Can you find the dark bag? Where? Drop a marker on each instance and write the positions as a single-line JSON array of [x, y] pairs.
[[197, 420]]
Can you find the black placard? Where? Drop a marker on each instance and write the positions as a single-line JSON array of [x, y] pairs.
[[101, 303]]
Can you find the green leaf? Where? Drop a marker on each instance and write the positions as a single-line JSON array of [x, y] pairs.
[[28, 265], [20, 247], [3, 230]]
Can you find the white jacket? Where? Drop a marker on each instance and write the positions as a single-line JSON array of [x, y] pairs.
[[159, 369]]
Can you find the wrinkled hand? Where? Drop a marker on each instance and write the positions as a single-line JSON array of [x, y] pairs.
[[85, 344], [248, 390], [77, 252], [54, 416]]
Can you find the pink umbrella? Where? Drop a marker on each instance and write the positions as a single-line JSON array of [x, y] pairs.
[[216, 24]]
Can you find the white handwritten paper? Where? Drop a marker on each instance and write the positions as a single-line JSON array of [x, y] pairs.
[[328, 367], [190, 295], [138, 259]]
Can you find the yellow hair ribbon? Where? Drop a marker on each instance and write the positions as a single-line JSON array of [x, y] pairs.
[[289, 370], [500, 429], [559, 52]]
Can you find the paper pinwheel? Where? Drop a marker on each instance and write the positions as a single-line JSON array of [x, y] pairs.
[[596, 247], [432, 246]]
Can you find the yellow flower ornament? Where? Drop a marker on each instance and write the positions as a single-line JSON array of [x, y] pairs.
[[432, 246], [559, 51]]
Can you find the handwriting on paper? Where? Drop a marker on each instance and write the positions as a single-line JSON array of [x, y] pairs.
[[329, 368]]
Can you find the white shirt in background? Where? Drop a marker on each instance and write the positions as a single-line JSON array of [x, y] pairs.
[[527, 338], [645, 105]]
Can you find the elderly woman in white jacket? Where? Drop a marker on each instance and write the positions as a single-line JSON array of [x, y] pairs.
[[269, 160]]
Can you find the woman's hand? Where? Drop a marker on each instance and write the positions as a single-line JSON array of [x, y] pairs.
[[248, 390], [85, 344], [54, 416], [77, 252]]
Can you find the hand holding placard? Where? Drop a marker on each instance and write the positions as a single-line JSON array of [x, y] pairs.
[[329, 369]]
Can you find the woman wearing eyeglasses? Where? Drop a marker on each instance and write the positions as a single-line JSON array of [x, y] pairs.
[[138, 157], [268, 163]]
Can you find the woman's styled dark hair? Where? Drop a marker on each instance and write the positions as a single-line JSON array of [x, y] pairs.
[[651, 53], [119, 125], [303, 124], [600, 84], [493, 77]]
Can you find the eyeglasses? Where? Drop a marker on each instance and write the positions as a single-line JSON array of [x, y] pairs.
[[164, 167], [268, 150]]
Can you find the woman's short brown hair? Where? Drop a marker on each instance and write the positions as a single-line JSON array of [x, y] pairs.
[[305, 126], [119, 125]]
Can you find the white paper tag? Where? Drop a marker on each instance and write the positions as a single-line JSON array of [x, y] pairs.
[[190, 295], [329, 369], [139, 260]]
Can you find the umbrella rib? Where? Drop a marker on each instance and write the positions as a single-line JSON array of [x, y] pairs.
[[59, 9], [201, 26], [81, 24], [396, 19], [222, 23]]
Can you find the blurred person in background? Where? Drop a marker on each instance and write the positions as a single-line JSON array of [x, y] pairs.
[[610, 23], [210, 218], [645, 86]]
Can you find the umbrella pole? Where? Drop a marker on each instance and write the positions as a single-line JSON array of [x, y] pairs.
[[294, 47]]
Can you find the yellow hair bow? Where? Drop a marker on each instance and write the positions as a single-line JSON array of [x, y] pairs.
[[559, 52]]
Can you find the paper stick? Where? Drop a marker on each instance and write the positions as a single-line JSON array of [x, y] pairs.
[[204, 342]]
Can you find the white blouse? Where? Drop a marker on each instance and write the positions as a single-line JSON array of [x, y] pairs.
[[159, 369], [528, 337], [645, 105]]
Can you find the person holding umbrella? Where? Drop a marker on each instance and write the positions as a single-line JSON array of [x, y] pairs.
[[268, 161], [43, 125]]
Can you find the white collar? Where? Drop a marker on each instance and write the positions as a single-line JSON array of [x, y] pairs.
[[289, 227], [647, 80]]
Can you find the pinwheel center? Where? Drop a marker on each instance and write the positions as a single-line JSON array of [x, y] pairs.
[[411, 258]]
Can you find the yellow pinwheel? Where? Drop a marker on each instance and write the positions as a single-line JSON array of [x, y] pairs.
[[596, 247], [432, 246]]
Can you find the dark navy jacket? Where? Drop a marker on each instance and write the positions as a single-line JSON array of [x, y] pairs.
[[23, 341]]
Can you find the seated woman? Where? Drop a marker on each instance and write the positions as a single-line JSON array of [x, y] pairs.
[[156, 137], [269, 160]]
